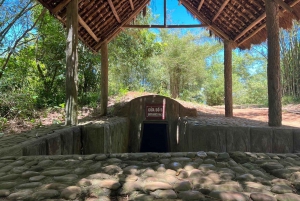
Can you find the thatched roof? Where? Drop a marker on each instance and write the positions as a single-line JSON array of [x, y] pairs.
[[242, 21]]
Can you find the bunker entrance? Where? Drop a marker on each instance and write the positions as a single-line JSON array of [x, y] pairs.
[[155, 137]]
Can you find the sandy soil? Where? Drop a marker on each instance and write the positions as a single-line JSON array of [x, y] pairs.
[[247, 116]]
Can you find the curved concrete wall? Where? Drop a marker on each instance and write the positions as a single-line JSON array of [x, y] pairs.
[[135, 111]]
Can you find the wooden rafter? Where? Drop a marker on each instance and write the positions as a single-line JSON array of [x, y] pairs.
[[212, 26], [60, 6], [163, 26], [253, 24], [131, 4], [221, 9], [117, 31], [87, 28], [111, 5], [263, 26], [200, 5], [287, 8]]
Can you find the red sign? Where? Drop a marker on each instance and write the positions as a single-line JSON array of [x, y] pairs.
[[155, 111]]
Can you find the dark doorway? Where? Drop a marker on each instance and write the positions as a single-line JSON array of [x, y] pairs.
[[154, 137]]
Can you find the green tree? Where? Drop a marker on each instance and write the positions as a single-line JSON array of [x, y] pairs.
[[184, 59], [290, 62]]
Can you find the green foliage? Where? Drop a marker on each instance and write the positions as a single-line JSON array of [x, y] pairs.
[[290, 100]]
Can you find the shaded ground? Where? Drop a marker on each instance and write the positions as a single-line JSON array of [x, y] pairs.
[[252, 116]]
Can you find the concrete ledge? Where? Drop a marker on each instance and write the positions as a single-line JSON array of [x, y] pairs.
[[193, 136], [101, 137]]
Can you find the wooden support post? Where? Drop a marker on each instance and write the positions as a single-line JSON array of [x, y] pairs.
[[228, 78], [72, 63], [104, 78], [274, 81]]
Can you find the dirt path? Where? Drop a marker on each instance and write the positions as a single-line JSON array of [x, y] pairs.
[[215, 115]]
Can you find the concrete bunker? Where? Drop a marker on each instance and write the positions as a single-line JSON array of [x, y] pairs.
[[154, 123]]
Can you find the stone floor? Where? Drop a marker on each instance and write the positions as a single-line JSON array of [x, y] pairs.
[[210, 176]]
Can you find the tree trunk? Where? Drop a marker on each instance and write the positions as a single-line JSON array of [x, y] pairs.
[[104, 79], [175, 82], [274, 83], [228, 78], [72, 64]]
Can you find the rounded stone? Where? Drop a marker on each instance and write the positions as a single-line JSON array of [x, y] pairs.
[[45, 194], [209, 161], [4, 193], [152, 186], [56, 172], [269, 166], [107, 183], [261, 197], [174, 166], [228, 196], [71, 192], [287, 197], [212, 154], [29, 174], [7, 185], [29, 185], [18, 163], [100, 157], [95, 167], [191, 195], [80, 171], [99, 176], [46, 163], [206, 167], [36, 178], [20, 195], [280, 189], [201, 154], [182, 186], [19, 170], [132, 169], [68, 179], [164, 194], [9, 177], [223, 156], [53, 186]]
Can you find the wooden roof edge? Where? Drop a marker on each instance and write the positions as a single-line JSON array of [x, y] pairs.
[[296, 12], [119, 29]]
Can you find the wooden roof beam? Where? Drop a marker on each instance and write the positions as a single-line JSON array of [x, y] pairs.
[[60, 6], [131, 4], [117, 31], [221, 9], [211, 26], [253, 24], [87, 28], [287, 8], [112, 7], [263, 26], [163, 26], [200, 5]]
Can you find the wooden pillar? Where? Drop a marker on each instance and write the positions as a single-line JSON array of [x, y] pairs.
[[274, 82], [228, 78], [72, 63], [104, 78]]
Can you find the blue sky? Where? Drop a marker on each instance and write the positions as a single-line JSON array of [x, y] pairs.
[[176, 14]]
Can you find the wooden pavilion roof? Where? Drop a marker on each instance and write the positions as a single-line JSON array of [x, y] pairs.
[[241, 21]]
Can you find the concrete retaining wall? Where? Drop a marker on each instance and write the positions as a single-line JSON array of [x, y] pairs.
[[195, 137], [109, 136]]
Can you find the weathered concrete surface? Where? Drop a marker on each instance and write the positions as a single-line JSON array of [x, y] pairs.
[[106, 136], [135, 111], [180, 176], [193, 136]]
